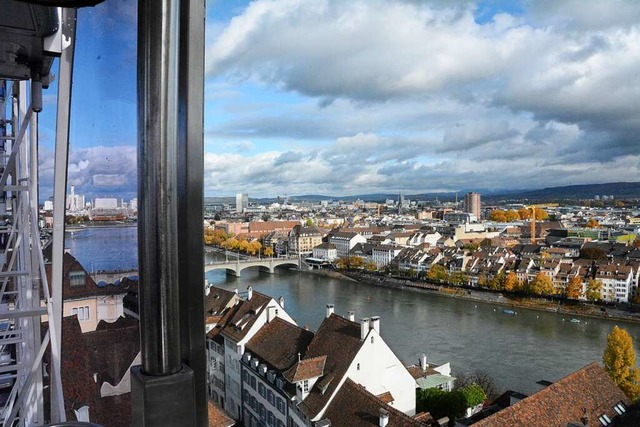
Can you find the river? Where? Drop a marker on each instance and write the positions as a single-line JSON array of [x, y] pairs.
[[516, 350]]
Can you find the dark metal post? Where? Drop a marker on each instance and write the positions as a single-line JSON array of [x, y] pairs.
[[190, 197], [157, 185], [163, 391]]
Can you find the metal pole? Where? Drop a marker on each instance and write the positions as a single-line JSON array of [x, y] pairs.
[[190, 198], [158, 36], [163, 389], [59, 196]]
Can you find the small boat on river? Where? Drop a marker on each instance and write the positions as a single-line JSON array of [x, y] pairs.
[[508, 312]]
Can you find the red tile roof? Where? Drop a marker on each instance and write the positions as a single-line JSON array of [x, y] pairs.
[[339, 340], [353, 406], [278, 343], [306, 369], [244, 316], [587, 391]]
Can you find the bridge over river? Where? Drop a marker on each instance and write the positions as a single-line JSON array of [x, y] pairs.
[[235, 267]]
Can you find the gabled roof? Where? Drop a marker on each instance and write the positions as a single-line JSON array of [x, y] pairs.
[[306, 369], [588, 391], [354, 406], [339, 340], [278, 343], [244, 316]]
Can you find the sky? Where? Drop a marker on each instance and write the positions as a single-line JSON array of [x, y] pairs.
[[368, 96]]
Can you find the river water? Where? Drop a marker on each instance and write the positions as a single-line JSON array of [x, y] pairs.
[[516, 350]]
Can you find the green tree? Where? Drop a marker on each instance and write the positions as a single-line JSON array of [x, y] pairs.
[[574, 288], [541, 285], [619, 361], [594, 290], [440, 403], [474, 395]]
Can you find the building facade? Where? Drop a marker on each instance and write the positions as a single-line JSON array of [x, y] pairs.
[[472, 204]]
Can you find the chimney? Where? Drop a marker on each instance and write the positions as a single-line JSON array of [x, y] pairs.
[[329, 309], [423, 362], [375, 324], [384, 417], [249, 293], [364, 327], [351, 316], [281, 301], [236, 291]]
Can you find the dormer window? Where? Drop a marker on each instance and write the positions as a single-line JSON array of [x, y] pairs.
[[604, 420], [620, 408], [76, 278]]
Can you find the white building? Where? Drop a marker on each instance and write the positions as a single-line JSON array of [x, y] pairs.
[[242, 202], [345, 241], [326, 251], [75, 202], [278, 374], [382, 255], [105, 203]]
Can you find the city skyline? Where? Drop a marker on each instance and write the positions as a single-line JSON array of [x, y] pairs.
[[359, 97]]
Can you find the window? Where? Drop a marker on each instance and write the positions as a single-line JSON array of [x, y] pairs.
[[604, 420], [263, 412], [620, 408], [262, 390], [245, 376], [305, 386], [271, 397], [271, 420], [358, 366], [253, 382], [81, 312], [76, 278], [280, 405]]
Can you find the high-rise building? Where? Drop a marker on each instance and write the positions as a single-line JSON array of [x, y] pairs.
[[242, 202], [472, 204]]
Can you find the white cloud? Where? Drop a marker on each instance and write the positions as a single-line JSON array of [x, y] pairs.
[[406, 93]]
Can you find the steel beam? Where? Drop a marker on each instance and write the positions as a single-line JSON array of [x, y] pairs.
[[59, 198]]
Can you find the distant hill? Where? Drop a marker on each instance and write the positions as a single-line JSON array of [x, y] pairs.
[[620, 190]]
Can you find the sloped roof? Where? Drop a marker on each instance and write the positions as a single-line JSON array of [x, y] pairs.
[[339, 340], [354, 406], [306, 369], [244, 316], [90, 288], [587, 391], [278, 343]]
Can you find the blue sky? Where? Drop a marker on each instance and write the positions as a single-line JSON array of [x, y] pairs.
[[335, 97]]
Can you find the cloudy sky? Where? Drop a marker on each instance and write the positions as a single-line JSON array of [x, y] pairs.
[[361, 96]]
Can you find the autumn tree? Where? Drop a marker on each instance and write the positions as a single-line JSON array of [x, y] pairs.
[[524, 213], [498, 215], [619, 361], [574, 288], [511, 282], [542, 285], [541, 215], [594, 290], [458, 278], [512, 215], [437, 273], [497, 282], [268, 251], [592, 223]]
